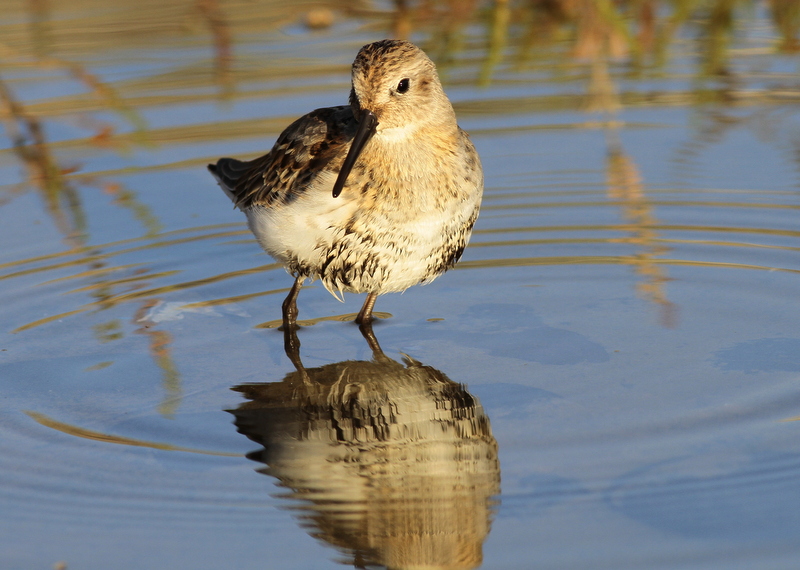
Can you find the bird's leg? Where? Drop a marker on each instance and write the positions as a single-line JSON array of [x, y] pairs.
[[291, 345], [369, 336], [365, 314], [290, 305]]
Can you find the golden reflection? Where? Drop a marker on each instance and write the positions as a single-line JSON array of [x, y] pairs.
[[108, 331], [347, 317], [601, 28], [106, 284], [99, 366], [234, 299], [211, 12], [786, 17], [717, 27], [392, 463], [89, 43], [498, 39], [505, 31], [84, 433], [61, 199], [608, 260], [125, 198], [625, 186], [106, 299], [107, 246], [161, 353], [105, 296], [41, 34], [519, 32]]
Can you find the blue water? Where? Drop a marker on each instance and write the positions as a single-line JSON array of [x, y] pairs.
[[607, 380]]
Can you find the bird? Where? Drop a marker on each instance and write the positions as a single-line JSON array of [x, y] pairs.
[[370, 197]]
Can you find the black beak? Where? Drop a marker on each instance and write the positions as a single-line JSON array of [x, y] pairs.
[[366, 128]]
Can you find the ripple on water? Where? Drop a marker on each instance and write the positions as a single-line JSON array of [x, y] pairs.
[[749, 497], [625, 315]]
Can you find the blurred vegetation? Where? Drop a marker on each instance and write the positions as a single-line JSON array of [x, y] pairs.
[[214, 49], [189, 51]]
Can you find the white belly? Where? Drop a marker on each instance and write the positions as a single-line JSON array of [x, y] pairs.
[[318, 236]]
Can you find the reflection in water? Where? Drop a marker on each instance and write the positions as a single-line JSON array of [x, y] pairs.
[[161, 353], [53, 180], [211, 13], [78, 78], [510, 43], [61, 200], [63, 203], [78, 431], [393, 463], [625, 186]]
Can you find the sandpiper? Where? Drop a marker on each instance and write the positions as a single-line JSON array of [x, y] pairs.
[[371, 197]]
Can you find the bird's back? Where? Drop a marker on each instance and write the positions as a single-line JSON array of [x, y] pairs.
[[313, 144]]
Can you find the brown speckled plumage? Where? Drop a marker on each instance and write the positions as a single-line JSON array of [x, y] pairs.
[[407, 206]]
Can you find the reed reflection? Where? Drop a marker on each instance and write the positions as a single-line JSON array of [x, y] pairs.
[[624, 185], [391, 462]]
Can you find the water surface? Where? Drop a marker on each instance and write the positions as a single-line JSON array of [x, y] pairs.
[[608, 379]]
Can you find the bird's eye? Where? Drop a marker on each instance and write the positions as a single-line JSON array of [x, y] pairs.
[[402, 87]]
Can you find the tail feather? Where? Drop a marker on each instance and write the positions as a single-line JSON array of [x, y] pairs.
[[228, 172]]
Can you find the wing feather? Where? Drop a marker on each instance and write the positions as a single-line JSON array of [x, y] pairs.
[[311, 145]]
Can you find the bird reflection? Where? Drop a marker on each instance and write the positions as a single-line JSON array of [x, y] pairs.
[[392, 463]]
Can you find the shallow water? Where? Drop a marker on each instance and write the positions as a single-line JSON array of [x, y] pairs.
[[609, 379]]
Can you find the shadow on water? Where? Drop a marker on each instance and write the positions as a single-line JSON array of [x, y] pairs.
[[393, 463]]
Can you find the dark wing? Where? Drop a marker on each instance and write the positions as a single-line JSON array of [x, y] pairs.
[[312, 144], [229, 170]]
